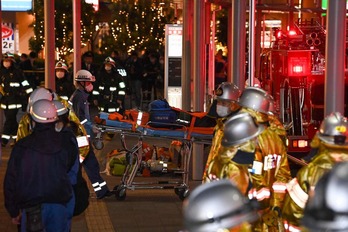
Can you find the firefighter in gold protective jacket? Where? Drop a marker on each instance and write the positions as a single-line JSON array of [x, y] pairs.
[[25, 124], [226, 96], [14, 89], [331, 149], [237, 151], [270, 171]]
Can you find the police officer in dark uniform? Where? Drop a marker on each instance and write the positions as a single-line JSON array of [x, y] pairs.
[[64, 83], [112, 87], [14, 90]]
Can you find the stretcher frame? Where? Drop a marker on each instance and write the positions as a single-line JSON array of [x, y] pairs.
[[134, 157]]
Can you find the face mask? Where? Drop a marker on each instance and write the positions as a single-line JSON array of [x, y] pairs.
[[60, 74], [223, 111], [89, 88], [107, 68], [7, 64]]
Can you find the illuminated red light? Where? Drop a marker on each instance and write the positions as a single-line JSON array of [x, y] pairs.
[[292, 32], [279, 34], [300, 143], [297, 69]]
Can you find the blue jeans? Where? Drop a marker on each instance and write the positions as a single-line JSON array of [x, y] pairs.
[[55, 218]]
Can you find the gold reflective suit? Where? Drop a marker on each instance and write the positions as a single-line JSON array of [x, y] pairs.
[[270, 172], [25, 128], [307, 177], [215, 146]]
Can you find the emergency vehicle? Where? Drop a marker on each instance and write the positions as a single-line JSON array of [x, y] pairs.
[[293, 72]]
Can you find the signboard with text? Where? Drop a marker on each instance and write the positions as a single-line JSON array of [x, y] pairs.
[[8, 38], [173, 57]]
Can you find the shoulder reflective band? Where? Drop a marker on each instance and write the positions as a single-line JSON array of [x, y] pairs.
[[296, 193]]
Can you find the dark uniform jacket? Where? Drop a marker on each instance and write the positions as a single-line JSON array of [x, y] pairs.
[[14, 88], [37, 171]]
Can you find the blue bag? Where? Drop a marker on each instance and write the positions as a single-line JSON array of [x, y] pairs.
[[161, 112]]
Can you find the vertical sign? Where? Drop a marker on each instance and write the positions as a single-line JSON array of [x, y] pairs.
[[8, 42], [173, 55]]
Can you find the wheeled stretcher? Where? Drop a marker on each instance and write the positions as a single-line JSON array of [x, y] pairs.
[[134, 156]]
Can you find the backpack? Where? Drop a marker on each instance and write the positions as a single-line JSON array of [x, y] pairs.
[[161, 113]]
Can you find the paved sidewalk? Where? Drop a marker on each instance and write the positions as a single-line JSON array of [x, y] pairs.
[[145, 210]]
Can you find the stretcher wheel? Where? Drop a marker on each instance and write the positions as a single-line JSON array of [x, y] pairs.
[[120, 192], [98, 144], [182, 192]]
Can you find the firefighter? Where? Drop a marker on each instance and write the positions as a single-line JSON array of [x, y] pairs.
[[80, 106], [14, 89], [112, 87], [218, 206], [237, 151], [333, 148], [270, 171], [64, 83], [226, 96], [327, 208]]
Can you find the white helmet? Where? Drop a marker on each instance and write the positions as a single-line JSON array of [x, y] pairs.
[[227, 91], [110, 61], [84, 75], [61, 65], [44, 111], [256, 99], [38, 94], [61, 109], [217, 205], [327, 209], [334, 129]]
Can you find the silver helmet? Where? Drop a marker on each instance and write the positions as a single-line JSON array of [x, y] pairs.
[[327, 209], [217, 205], [334, 129], [227, 91], [239, 129], [44, 111], [256, 99]]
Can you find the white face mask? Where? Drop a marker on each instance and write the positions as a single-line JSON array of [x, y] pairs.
[[89, 88], [223, 111], [7, 64], [60, 74], [107, 68]]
